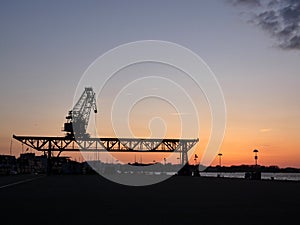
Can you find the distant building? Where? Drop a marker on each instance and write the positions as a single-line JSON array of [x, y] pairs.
[[8, 164], [64, 165], [29, 163]]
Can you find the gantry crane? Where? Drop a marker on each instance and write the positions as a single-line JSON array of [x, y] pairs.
[[77, 138], [78, 117]]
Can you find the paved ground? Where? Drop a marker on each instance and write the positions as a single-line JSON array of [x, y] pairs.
[[90, 199]]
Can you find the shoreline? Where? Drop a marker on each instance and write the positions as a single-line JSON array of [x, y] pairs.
[[4, 178]]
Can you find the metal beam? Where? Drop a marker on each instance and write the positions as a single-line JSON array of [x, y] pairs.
[[60, 144]]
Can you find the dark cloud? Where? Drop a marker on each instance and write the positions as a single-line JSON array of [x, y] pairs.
[[280, 18], [294, 43], [246, 2], [268, 21]]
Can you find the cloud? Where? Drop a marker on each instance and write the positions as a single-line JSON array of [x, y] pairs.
[[246, 2], [263, 130], [279, 18]]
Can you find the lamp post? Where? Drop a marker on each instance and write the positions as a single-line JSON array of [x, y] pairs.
[[10, 148], [195, 158], [220, 158], [178, 160], [255, 156]]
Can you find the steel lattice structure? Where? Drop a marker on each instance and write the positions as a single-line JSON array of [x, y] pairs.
[[77, 139], [60, 144], [105, 144]]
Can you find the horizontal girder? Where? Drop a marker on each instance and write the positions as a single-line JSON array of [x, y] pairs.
[[106, 144]]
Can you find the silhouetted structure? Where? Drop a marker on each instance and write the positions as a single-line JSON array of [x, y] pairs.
[[253, 175], [78, 117], [220, 159], [77, 139], [8, 164], [189, 170], [255, 156]]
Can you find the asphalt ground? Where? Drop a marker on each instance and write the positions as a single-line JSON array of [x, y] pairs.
[[91, 199]]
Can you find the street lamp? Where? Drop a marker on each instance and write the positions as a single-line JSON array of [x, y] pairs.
[[195, 158], [220, 156], [255, 156]]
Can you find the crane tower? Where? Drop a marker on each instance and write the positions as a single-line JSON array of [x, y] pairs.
[[78, 117]]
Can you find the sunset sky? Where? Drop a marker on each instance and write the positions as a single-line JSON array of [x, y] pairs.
[[252, 47]]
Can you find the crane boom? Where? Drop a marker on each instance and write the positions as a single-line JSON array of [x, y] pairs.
[[78, 117]]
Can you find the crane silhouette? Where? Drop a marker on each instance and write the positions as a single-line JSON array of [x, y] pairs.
[[78, 117]]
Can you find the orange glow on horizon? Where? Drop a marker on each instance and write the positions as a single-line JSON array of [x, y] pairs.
[[277, 143]]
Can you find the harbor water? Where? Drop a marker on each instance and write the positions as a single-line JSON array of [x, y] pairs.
[[264, 176]]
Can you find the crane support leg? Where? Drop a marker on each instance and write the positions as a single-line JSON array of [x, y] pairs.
[[49, 161], [184, 153]]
